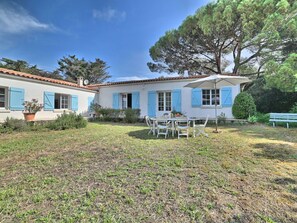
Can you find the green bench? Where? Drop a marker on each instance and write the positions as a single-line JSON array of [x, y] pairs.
[[283, 117]]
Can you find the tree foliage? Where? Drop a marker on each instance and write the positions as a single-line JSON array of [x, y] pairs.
[[239, 34], [282, 76], [72, 68], [23, 66]]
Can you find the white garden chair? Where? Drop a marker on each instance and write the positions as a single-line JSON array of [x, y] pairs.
[[200, 129], [182, 128], [163, 127], [149, 124]]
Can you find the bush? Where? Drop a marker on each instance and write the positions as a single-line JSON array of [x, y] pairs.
[[67, 121], [262, 118], [294, 108], [271, 100], [13, 124], [131, 115], [109, 114], [244, 106]]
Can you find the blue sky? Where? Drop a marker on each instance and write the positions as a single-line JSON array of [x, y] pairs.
[[119, 32]]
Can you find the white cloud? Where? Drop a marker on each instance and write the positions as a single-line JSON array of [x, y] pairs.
[[109, 14], [15, 19], [130, 78]]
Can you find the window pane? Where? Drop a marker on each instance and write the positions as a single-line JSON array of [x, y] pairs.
[[64, 102], [124, 101], [215, 96], [161, 101], [57, 101], [205, 97], [2, 98], [2, 91], [168, 101], [2, 104]]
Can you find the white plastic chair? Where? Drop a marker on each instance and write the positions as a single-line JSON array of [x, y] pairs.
[[200, 129], [182, 128], [149, 124], [163, 127]]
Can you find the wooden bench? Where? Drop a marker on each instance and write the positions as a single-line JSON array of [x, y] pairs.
[[283, 117]]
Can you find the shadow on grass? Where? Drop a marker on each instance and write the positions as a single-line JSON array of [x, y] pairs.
[[143, 134], [268, 132], [284, 181], [282, 152]]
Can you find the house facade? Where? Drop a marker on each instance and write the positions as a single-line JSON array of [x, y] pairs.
[[57, 96], [154, 97]]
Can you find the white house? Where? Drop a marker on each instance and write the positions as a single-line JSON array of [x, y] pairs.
[[153, 97], [56, 95]]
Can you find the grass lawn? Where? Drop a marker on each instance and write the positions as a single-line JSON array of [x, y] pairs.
[[117, 173]]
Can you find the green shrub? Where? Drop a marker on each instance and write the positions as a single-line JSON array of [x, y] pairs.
[[244, 106], [253, 119], [110, 114], [262, 118], [67, 121], [13, 124], [131, 115], [294, 108]]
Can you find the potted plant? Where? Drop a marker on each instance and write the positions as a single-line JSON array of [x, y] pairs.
[[31, 108]]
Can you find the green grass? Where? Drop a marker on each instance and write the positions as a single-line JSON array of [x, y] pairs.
[[117, 173]]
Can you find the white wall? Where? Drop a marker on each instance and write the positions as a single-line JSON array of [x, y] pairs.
[[106, 97], [35, 89]]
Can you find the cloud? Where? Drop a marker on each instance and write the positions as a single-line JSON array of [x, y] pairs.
[[14, 19], [130, 78], [109, 14]]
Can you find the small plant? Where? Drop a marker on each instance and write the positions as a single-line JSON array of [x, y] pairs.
[[222, 118], [32, 106], [294, 108], [67, 121], [244, 106], [253, 119], [13, 124], [262, 118]]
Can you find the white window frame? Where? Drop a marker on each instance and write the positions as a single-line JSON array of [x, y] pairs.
[[164, 101], [5, 98], [211, 97], [61, 99]]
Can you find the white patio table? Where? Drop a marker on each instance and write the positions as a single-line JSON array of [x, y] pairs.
[[172, 120]]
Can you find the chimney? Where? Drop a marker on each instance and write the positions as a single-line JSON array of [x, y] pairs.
[[80, 81]]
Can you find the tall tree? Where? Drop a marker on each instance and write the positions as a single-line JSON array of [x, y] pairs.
[[72, 68], [23, 66], [282, 76], [241, 35]]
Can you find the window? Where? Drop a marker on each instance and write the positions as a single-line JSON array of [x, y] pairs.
[[210, 96], [3, 98], [126, 100], [62, 101], [164, 101]]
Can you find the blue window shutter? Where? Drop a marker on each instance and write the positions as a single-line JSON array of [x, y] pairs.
[[196, 97], [115, 101], [17, 98], [226, 95], [176, 100], [74, 102], [135, 100], [152, 96], [49, 101], [90, 101]]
